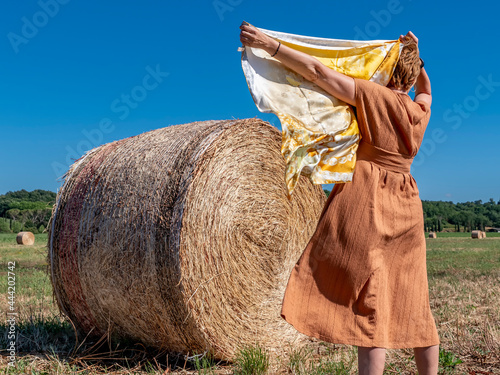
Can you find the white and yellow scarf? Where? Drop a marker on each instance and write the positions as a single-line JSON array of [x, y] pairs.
[[320, 134]]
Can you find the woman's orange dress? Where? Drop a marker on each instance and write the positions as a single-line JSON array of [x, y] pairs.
[[362, 279]]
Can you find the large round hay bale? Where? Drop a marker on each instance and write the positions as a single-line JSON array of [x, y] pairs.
[[25, 238], [476, 234], [182, 238], [432, 235]]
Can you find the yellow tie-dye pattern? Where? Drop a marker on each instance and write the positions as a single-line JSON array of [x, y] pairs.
[[320, 134]]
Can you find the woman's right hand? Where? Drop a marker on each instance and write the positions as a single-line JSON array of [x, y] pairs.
[[252, 37]]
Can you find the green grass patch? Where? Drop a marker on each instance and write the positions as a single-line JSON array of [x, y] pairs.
[[25, 256], [447, 362], [10, 238], [252, 360], [446, 256], [204, 364]]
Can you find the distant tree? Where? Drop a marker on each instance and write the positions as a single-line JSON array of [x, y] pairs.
[[470, 219], [495, 219], [16, 226], [13, 213], [482, 222], [29, 226], [4, 225], [440, 221], [429, 224]]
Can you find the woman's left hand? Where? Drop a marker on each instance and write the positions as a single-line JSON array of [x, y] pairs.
[[252, 37], [409, 35]]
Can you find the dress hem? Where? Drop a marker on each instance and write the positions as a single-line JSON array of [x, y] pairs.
[[356, 342]]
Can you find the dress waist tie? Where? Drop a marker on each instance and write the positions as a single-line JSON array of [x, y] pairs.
[[392, 161]]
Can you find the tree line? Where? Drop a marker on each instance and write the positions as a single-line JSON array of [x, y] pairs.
[[26, 211], [461, 217], [31, 211]]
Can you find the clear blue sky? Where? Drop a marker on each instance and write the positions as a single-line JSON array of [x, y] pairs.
[[68, 65]]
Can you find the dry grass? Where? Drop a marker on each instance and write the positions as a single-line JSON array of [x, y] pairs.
[[464, 299], [464, 290], [464, 282]]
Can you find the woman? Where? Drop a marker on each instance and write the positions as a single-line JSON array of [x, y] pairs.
[[362, 279]]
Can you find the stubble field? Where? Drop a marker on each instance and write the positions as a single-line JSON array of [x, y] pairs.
[[464, 287]]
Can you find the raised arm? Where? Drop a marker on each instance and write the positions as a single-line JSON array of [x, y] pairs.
[[423, 83], [336, 84], [423, 88]]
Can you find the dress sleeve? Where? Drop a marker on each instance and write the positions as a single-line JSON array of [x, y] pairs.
[[426, 110], [378, 103], [422, 115], [372, 98]]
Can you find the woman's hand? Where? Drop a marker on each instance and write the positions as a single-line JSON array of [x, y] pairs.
[[252, 37], [409, 35]]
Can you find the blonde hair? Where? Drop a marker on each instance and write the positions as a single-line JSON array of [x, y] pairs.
[[407, 68]]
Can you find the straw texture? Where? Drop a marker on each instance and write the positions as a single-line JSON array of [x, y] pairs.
[[25, 238], [182, 238]]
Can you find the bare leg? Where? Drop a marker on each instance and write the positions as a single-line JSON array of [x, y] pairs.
[[371, 361], [427, 360]]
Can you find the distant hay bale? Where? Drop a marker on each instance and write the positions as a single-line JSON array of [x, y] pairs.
[[483, 234], [25, 238], [432, 235], [477, 234], [182, 238]]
